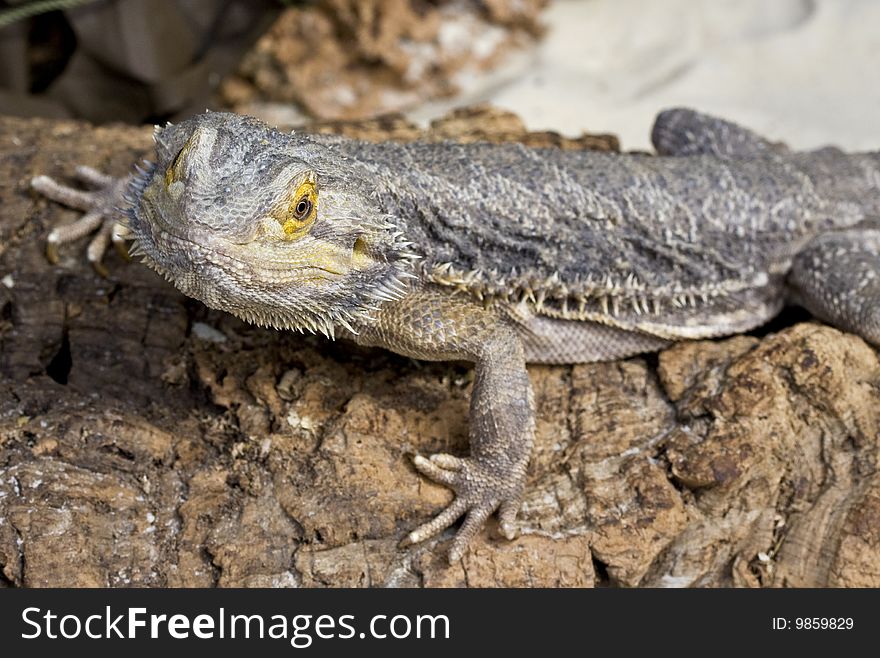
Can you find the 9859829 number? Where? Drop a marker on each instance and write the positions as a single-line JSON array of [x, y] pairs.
[[823, 623]]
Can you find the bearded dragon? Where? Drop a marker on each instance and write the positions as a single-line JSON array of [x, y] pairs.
[[497, 254]]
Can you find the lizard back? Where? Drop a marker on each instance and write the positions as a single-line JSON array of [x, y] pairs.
[[634, 241]]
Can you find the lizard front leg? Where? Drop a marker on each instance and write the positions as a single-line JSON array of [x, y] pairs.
[[435, 324], [837, 278], [101, 207]]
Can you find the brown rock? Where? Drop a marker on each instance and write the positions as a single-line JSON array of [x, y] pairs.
[[479, 123], [145, 440], [356, 59]]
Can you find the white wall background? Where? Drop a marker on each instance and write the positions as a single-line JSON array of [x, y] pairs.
[[803, 71]]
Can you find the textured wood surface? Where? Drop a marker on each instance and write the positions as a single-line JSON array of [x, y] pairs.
[[145, 440]]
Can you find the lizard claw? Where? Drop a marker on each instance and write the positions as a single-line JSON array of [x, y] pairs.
[[479, 491], [100, 213]]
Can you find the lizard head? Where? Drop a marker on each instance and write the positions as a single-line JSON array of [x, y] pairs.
[[274, 228]]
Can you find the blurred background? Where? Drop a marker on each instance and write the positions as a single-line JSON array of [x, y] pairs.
[[803, 71]]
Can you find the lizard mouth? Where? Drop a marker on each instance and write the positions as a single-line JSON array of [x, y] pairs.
[[165, 246]]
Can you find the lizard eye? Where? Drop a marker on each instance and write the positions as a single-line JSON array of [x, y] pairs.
[[303, 208], [301, 211]]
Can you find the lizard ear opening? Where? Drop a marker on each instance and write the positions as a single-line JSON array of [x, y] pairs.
[[360, 254]]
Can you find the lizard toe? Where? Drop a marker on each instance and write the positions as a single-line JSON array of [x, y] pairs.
[[478, 493], [473, 523], [430, 469], [69, 233], [93, 177], [507, 518], [447, 461], [438, 524], [98, 246]]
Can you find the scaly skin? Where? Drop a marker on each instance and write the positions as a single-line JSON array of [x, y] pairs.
[[501, 255], [429, 323]]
